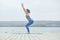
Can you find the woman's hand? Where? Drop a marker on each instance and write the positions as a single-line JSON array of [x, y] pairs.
[[22, 5], [24, 8]]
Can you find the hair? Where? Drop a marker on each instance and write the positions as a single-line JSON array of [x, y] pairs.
[[28, 10]]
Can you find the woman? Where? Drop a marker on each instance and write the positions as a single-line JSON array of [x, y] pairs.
[[27, 12]]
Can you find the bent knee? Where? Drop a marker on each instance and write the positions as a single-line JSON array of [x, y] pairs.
[[32, 21]]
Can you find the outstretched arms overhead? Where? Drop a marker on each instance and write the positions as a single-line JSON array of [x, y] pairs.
[[24, 8]]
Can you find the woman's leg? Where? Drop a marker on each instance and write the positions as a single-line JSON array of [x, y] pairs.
[[28, 24]]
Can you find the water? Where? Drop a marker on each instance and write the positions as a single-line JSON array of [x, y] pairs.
[[36, 23]]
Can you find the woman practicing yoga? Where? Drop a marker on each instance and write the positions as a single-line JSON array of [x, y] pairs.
[[27, 12]]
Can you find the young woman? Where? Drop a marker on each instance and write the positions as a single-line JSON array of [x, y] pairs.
[[27, 12]]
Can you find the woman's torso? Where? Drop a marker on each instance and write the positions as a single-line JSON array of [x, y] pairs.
[[28, 18]]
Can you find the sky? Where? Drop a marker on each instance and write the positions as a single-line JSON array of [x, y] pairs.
[[48, 10]]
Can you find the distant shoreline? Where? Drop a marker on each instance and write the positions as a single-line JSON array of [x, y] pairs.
[[36, 23]]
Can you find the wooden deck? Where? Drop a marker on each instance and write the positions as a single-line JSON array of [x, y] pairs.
[[25, 36]]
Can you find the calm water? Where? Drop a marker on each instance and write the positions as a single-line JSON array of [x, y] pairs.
[[36, 23]]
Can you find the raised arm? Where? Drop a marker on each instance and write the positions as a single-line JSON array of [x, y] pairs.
[[24, 8]]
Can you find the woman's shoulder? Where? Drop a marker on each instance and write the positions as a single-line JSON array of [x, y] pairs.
[[27, 15]]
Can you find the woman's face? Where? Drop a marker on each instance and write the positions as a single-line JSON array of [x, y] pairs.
[[27, 10]]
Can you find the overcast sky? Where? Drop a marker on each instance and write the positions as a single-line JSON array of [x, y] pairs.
[[11, 10]]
